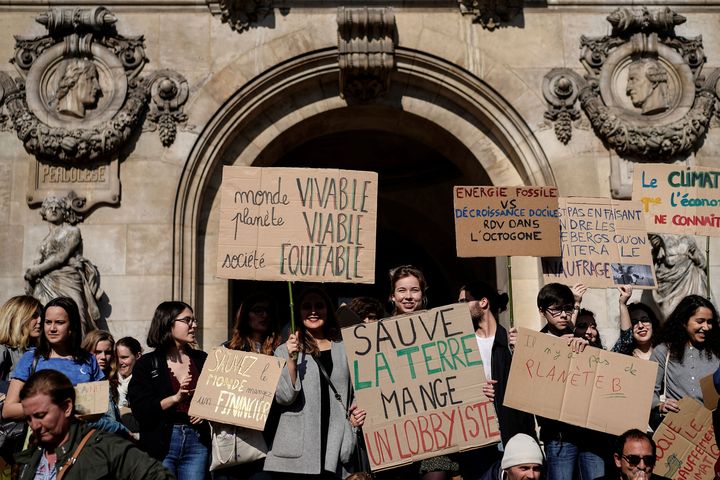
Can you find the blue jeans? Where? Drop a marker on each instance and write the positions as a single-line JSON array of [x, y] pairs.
[[187, 458], [564, 459]]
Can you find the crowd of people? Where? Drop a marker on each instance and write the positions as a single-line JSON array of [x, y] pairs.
[[314, 430]]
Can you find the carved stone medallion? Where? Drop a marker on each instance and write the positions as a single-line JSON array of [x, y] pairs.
[[80, 100], [642, 91]]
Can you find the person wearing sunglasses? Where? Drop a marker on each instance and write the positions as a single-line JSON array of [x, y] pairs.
[[634, 457], [159, 394]]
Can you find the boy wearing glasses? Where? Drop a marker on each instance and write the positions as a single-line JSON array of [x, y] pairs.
[[634, 457], [568, 449]]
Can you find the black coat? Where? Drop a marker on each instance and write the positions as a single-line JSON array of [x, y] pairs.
[[150, 383], [511, 421]]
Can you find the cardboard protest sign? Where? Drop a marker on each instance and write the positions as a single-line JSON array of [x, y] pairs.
[[604, 244], [678, 199], [709, 393], [492, 221], [92, 399], [301, 224], [419, 377], [587, 389], [236, 387], [686, 445]]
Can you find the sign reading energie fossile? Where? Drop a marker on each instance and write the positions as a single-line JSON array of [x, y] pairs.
[[301, 224]]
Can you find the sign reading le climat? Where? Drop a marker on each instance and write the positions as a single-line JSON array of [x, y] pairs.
[[297, 224]]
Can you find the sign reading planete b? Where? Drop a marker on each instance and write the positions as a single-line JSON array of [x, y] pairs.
[[301, 224]]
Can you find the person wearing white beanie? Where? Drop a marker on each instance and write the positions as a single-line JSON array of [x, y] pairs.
[[523, 459]]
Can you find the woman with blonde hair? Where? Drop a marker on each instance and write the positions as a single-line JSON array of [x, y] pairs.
[[19, 329], [101, 344]]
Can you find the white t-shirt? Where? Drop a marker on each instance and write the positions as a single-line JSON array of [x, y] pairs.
[[485, 346]]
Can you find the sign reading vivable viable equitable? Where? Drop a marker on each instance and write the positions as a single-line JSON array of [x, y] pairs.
[[492, 221], [604, 244], [419, 377], [236, 387], [300, 224], [677, 199], [595, 389]]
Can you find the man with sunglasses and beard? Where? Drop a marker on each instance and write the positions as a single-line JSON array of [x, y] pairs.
[[634, 457]]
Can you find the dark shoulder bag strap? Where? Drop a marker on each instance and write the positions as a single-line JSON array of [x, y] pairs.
[[324, 373]]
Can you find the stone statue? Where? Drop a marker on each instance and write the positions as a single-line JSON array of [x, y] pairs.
[[78, 88], [647, 86], [679, 268], [61, 269]]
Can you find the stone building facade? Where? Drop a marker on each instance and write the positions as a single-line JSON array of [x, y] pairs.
[[429, 93]]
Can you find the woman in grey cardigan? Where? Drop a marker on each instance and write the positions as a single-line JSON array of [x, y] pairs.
[[314, 437]]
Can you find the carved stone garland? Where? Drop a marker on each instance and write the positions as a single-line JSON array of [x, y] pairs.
[[366, 46], [80, 97], [491, 14], [642, 92], [241, 14]]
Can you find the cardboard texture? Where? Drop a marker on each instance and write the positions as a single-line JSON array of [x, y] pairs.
[[710, 395], [92, 399], [419, 377], [587, 389], [304, 224], [604, 244], [236, 388], [494, 221], [686, 447], [678, 199]]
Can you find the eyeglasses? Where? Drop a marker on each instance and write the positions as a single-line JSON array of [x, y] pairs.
[[556, 312], [643, 319], [634, 460], [187, 320], [259, 310]]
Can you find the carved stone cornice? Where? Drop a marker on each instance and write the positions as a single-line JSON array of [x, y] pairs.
[[366, 46], [491, 14], [241, 14], [80, 96], [643, 92]]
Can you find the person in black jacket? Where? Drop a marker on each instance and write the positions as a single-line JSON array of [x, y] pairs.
[[485, 303], [160, 391]]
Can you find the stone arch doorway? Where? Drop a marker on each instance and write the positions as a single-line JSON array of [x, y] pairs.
[[438, 126]]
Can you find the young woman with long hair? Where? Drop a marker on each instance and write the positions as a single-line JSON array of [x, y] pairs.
[[19, 329], [102, 344], [127, 351], [314, 437], [688, 349], [59, 348], [408, 289], [162, 385], [255, 329], [639, 327]]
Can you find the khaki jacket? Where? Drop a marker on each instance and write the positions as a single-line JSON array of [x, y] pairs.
[[105, 456]]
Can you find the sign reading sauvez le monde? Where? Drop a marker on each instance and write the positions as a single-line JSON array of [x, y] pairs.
[[236, 387], [301, 224]]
